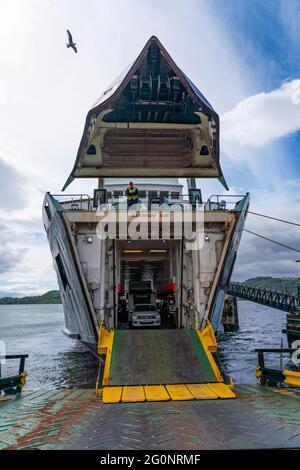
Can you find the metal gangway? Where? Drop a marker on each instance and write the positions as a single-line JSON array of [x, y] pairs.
[[271, 298]]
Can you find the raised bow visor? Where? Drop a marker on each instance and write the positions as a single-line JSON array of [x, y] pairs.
[[152, 121]]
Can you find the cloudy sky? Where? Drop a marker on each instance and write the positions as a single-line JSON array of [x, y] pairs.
[[244, 57]]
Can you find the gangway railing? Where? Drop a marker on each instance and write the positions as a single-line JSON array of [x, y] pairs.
[[118, 200], [280, 300]]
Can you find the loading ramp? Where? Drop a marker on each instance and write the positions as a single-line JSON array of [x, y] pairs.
[[143, 357], [160, 365]]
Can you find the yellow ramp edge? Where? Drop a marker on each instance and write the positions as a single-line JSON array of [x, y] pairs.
[[292, 378], [156, 393], [105, 345], [283, 391], [202, 392], [208, 340], [132, 393], [105, 339], [112, 394], [221, 390], [179, 392]]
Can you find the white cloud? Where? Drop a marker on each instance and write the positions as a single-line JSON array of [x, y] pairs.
[[3, 93], [26, 266], [260, 119], [258, 257]]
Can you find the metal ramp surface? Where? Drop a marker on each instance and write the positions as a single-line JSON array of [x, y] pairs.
[[160, 365], [155, 357]]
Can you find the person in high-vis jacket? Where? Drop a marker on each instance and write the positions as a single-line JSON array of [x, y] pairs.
[[132, 194], [172, 310]]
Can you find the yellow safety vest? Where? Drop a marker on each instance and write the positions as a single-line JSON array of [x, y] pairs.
[[132, 193]]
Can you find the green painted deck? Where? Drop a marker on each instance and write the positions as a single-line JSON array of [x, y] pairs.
[[142, 357], [76, 419]]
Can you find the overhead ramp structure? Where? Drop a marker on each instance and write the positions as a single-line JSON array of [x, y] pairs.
[[160, 365]]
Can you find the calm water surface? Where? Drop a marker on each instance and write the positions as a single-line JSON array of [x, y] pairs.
[[260, 327], [56, 361]]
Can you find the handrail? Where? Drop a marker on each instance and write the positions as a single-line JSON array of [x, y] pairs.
[[221, 200], [80, 196], [15, 383], [70, 195], [275, 350], [272, 376], [120, 197], [13, 356]]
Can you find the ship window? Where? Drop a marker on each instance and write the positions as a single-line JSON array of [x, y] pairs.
[[61, 270], [164, 194], [47, 210], [91, 150], [204, 150], [118, 194]]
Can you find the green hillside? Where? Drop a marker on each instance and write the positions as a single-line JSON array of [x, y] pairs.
[[276, 283], [50, 297]]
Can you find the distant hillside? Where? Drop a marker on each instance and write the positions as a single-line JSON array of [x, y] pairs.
[[273, 283], [50, 297], [276, 283]]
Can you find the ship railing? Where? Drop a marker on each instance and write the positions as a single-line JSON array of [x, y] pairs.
[[277, 377], [151, 199], [75, 201], [13, 383], [118, 200], [223, 201]]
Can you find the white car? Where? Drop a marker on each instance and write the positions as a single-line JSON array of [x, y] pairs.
[[145, 315]]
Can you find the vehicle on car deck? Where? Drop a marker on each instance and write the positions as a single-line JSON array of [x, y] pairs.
[[145, 315]]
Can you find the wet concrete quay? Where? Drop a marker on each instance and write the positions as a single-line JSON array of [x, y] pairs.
[[258, 418]]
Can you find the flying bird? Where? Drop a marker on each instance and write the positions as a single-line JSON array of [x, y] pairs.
[[71, 43]]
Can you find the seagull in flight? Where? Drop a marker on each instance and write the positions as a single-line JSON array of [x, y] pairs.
[[71, 43]]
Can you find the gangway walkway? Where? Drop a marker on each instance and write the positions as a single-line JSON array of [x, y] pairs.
[[280, 300]]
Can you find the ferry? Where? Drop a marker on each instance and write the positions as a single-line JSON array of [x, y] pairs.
[[152, 127]]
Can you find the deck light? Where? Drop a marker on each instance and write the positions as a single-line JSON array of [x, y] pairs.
[[133, 251]]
